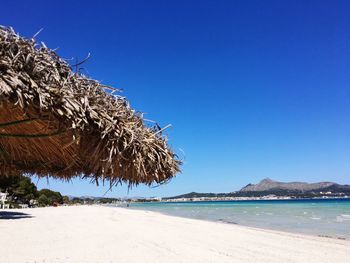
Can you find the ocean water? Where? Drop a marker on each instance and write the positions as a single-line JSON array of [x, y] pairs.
[[322, 217]]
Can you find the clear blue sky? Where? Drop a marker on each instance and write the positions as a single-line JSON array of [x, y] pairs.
[[253, 89]]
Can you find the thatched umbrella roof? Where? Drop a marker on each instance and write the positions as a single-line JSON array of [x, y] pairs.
[[54, 122]]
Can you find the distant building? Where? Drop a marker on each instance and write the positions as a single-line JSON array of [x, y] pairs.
[[3, 199], [33, 203]]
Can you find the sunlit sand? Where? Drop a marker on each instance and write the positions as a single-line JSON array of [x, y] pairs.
[[105, 234]]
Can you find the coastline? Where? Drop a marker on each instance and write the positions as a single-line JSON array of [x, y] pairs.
[[247, 199], [109, 234], [221, 221], [317, 217]]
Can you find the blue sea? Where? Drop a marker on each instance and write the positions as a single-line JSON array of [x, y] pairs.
[[322, 217]]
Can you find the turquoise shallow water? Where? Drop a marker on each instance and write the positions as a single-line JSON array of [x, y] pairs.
[[325, 217]]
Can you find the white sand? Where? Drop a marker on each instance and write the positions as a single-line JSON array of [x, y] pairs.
[[102, 234]]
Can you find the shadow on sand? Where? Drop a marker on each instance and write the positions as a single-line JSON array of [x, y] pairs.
[[13, 215]]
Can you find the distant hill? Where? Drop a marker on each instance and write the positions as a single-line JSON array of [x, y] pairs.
[[271, 187]]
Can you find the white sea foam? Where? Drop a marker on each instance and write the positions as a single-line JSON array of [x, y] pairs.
[[345, 216], [342, 218]]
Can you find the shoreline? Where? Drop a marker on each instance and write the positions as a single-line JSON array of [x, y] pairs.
[[324, 218], [220, 221], [245, 199], [112, 234]]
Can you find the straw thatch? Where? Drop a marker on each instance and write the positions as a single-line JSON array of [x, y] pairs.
[[54, 122]]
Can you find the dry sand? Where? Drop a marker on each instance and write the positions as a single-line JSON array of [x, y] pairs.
[[104, 234]]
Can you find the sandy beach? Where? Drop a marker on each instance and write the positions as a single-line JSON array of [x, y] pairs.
[[104, 234]]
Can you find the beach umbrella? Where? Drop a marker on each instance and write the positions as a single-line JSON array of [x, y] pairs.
[[59, 123]]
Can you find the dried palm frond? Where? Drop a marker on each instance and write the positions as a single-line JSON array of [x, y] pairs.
[[60, 123]]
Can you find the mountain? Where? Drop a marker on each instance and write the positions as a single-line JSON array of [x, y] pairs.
[[270, 185]]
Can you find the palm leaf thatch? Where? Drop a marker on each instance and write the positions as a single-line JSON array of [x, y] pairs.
[[54, 122]]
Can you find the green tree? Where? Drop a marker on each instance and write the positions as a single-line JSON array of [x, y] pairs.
[[25, 190], [65, 199], [7, 183], [22, 190], [54, 197], [19, 187], [43, 200], [77, 200]]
